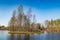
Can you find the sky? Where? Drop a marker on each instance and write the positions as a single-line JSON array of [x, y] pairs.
[[43, 9]]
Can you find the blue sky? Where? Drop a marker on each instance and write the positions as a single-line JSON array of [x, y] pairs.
[[43, 9]]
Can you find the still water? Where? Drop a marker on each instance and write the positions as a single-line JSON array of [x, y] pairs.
[[45, 36]]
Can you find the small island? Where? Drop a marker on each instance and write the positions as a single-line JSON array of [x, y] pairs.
[[24, 23]]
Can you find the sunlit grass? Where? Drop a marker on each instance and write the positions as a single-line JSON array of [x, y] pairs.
[[17, 32]]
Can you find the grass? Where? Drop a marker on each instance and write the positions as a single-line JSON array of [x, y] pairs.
[[17, 32]]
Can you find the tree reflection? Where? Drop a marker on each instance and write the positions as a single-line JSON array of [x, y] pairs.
[[19, 37], [11, 37], [27, 37]]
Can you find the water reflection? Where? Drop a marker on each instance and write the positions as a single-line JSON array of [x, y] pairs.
[[49, 36], [27, 37], [53, 36], [19, 37], [11, 37]]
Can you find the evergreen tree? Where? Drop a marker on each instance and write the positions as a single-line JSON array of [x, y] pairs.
[[20, 17], [12, 21]]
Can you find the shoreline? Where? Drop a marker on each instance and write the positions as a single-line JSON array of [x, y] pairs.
[[17, 32]]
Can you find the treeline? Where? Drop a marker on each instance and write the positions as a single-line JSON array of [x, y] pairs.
[[22, 22], [3, 28], [53, 25]]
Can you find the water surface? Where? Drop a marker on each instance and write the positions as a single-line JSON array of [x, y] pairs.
[[45, 36]]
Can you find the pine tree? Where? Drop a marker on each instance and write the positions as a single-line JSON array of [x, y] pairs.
[[12, 21], [20, 17], [28, 19]]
